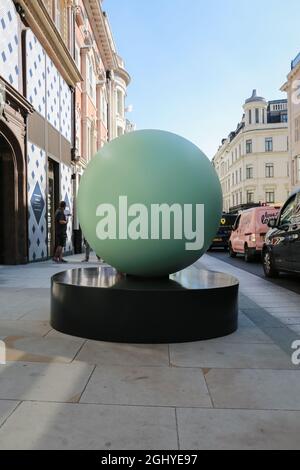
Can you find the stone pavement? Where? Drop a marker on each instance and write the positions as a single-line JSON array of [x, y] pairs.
[[60, 392]]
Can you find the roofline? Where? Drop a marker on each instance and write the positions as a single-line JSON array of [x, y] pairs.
[[102, 33]]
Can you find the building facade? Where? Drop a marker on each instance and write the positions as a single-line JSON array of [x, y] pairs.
[[292, 88], [57, 66], [253, 161], [100, 96]]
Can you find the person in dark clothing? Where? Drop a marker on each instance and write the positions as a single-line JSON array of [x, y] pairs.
[[61, 223]]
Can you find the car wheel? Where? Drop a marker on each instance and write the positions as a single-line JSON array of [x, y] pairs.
[[231, 252], [268, 264], [248, 255]]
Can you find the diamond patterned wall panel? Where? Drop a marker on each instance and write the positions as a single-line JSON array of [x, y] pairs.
[[36, 73], [9, 43], [67, 196], [53, 90], [36, 187], [65, 109]]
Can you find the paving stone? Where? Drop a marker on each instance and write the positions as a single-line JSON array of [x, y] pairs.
[[89, 427], [41, 349], [6, 408], [220, 354], [238, 430], [254, 389], [156, 386], [246, 335], [43, 382], [100, 353], [23, 328]]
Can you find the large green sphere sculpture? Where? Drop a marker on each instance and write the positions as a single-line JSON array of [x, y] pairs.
[[150, 203]]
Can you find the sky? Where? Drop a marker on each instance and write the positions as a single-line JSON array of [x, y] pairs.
[[194, 62]]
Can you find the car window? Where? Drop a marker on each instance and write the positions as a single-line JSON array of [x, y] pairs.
[[237, 223], [287, 212], [227, 221], [296, 216]]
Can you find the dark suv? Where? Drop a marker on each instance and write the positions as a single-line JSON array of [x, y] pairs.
[[281, 251], [221, 240]]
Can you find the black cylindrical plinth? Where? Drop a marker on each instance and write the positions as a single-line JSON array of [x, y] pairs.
[[102, 304]]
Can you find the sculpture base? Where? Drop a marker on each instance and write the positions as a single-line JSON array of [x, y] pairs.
[[102, 304]]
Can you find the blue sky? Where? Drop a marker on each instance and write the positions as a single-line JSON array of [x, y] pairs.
[[194, 62]]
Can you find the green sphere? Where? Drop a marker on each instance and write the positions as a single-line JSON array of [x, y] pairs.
[[150, 203]]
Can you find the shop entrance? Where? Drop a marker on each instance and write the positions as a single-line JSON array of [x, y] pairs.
[[53, 202], [13, 207]]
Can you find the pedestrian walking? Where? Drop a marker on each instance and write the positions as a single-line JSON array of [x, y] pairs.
[[88, 252]]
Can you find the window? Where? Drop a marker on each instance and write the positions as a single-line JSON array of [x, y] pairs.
[[248, 146], [270, 197], [269, 144], [120, 105], [91, 79], [249, 172], [91, 144], [88, 142], [240, 150], [284, 118], [250, 116], [236, 177], [241, 174], [250, 197], [264, 116], [77, 57], [297, 130], [57, 13], [257, 116], [104, 109], [269, 170], [241, 197], [287, 212], [232, 179]]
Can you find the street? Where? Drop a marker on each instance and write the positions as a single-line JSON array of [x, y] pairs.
[[287, 281]]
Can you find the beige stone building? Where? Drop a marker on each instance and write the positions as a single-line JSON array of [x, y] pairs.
[[253, 161], [292, 88]]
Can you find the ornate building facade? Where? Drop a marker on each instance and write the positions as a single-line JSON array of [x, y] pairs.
[[292, 88], [253, 161], [100, 96], [57, 90]]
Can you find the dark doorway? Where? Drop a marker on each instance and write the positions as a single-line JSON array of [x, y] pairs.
[[13, 208], [53, 202]]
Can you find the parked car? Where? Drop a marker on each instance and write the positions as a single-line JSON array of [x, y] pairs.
[[281, 250], [221, 240], [249, 231]]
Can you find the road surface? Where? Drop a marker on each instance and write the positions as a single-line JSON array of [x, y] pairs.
[[287, 281]]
